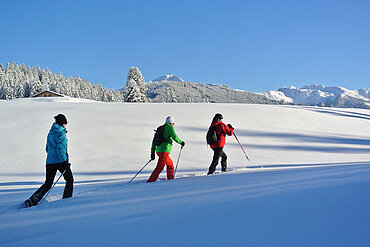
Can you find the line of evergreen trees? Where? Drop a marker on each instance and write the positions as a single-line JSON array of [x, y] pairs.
[[19, 81]]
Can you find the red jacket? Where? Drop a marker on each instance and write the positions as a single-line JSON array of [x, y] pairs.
[[222, 130]]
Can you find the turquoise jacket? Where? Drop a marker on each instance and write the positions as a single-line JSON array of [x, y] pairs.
[[169, 135], [56, 145]]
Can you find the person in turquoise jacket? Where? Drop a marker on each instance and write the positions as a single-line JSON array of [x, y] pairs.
[[163, 151], [56, 145], [56, 160]]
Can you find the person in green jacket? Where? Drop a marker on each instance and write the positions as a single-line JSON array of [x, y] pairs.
[[163, 151]]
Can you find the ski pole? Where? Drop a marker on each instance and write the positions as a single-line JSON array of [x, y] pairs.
[[140, 171], [177, 163], [51, 188], [242, 147]]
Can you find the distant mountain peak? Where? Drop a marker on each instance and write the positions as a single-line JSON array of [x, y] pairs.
[[169, 77], [317, 94]]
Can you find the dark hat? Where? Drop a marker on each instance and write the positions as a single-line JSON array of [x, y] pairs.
[[217, 117], [60, 119]]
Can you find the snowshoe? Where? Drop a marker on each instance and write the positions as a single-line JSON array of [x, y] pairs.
[[29, 203]]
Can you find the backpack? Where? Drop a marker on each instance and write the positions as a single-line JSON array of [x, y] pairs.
[[212, 137], [158, 138]]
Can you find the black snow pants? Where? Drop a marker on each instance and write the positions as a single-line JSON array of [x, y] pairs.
[[217, 153], [51, 170]]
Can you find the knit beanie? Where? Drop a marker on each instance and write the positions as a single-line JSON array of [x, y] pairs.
[[170, 120], [217, 117], [60, 119]]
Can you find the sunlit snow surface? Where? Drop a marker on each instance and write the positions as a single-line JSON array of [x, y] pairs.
[[307, 185]]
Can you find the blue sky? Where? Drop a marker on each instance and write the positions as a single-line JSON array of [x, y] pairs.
[[249, 45]]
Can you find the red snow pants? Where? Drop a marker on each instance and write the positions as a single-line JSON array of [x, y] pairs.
[[164, 159]]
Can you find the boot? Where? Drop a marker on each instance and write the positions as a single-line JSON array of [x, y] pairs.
[[223, 168], [211, 170]]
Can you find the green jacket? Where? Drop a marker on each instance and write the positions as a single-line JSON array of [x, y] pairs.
[[169, 135]]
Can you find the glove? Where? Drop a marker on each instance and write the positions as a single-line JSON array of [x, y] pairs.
[[230, 126], [66, 165], [182, 144], [152, 156]]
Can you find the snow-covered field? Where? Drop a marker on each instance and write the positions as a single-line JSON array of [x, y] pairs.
[[308, 183]]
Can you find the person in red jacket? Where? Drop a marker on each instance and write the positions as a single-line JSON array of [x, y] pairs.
[[221, 130]]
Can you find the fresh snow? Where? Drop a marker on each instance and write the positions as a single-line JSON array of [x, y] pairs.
[[308, 183], [278, 96]]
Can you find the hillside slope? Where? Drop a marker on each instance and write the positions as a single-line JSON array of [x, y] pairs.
[[307, 184], [188, 92]]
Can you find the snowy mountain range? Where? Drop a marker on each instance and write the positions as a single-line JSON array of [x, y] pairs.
[[19, 81], [321, 95], [171, 88]]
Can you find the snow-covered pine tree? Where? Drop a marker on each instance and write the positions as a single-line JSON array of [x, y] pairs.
[[134, 90], [37, 86], [2, 81], [2, 70]]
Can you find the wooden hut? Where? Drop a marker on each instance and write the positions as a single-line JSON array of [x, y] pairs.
[[47, 93]]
